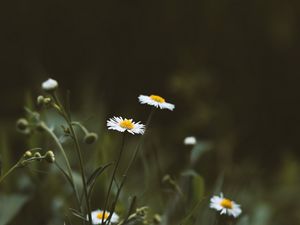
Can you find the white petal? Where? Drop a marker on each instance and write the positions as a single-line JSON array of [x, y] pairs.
[[166, 105]]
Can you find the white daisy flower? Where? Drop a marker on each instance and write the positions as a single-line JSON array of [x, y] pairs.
[[97, 216], [49, 85], [120, 124], [156, 101], [225, 206], [190, 140]]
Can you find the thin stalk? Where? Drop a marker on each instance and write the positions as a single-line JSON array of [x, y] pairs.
[[77, 146], [60, 147], [116, 199], [113, 177], [9, 171], [137, 149], [68, 119], [84, 130]]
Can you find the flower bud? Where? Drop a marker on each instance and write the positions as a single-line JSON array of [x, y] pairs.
[[47, 101], [38, 156], [50, 157], [27, 154], [40, 100], [49, 85], [90, 138], [22, 124]]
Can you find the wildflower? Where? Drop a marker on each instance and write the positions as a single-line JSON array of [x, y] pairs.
[[97, 216], [49, 85], [190, 140], [225, 206], [120, 124], [156, 101]]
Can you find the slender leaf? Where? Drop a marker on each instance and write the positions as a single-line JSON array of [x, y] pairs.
[[92, 179], [78, 214]]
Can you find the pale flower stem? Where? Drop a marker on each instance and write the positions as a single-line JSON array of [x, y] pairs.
[[85, 131], [60, 147], [9, 171], [112, 178], [68, 119]]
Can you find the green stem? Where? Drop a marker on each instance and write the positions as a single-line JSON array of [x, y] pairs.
[[137, 149], [77, 146], [68, 119], [9, 171], [84, 130], [60, 147], [113, 177]]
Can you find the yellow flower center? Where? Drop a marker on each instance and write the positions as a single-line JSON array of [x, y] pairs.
[[226, 203], [127, 124], [100, 215], [157, 98]]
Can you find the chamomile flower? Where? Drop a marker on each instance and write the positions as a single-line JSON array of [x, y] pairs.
[[120, 124], [49, 85], [156, 101], [225, 206], [97, 216], [190, 140]]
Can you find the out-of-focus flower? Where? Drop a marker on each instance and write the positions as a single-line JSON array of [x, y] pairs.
[[120, 124], [190, 140], [97, 216], [156, 101], [225, 206], [49, 85]]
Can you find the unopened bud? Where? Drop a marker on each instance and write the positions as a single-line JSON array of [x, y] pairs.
[[38, 156], [50, 157], [22, 124], [27, 154], [49, 85], [47, 101], [90, 138], [40, 100]]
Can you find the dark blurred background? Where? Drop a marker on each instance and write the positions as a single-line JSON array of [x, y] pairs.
[[230, 67]]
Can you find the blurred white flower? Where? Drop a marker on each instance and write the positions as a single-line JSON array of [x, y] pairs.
[[190, 140], [49, 85], [225, 206], [156, 101], [97, 216], [120, 124]]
